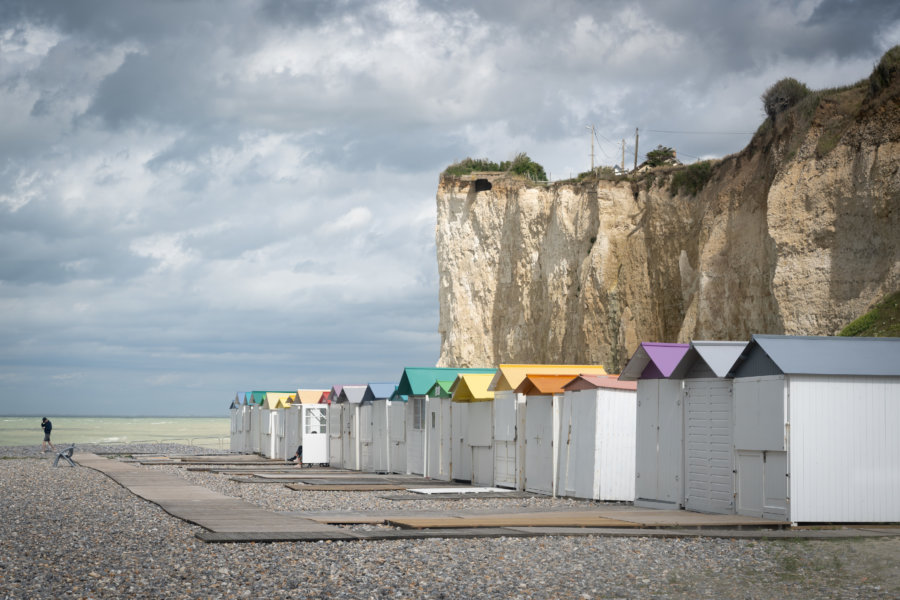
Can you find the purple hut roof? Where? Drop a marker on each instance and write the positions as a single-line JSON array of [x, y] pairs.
[[653, 360]]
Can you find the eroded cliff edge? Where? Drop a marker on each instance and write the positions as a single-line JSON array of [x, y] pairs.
[[798, 233]]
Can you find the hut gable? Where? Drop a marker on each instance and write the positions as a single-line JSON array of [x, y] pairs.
[[543, 385], [705, 359], [380, 391], [822, 355], [354, 394], [472, 387], [334, 394], [653, 360], [310, 396], [508, 377], [593, 382]]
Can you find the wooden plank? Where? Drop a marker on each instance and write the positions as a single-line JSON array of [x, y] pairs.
[[547, 519], [367, 487]]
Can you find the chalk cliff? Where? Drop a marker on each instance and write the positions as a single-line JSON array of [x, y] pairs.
[[798, 233]]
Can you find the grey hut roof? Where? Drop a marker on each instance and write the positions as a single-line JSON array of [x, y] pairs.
[[719, 356], [353, 393], [807, 355]]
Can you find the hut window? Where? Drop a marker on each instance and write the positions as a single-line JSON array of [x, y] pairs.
[[418, 413]]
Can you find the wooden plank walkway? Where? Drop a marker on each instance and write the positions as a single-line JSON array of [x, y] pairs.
[[210, 510], [226, 519]]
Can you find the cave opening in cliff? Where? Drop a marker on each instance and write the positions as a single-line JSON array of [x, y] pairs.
[[482, 185]]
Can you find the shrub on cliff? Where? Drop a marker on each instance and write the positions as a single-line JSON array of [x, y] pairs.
[[783, 95], [691, 179], [886, 71], [520, 165], [523, 165], [662, 155]]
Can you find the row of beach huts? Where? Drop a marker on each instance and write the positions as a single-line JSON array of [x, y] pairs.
[[789, 428]]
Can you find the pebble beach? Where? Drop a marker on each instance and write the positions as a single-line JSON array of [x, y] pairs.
[[73, 533]]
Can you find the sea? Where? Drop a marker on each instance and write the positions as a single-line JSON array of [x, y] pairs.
[[207, 432]]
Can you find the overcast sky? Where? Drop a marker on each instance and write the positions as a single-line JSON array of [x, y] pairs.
[[200, 197]]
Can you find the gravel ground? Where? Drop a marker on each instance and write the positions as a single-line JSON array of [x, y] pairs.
[[73, 533]]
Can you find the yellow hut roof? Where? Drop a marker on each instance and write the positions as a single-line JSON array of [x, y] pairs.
[[278, 399], [310, 396], [472, 387], [508, 377]]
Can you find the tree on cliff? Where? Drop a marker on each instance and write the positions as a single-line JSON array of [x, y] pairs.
[[783, 95], [663, 155]]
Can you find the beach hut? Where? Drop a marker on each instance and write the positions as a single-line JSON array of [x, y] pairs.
[[350, 398], [256, 399], [597, 438], [314, 432], [708, 448], [236, 441], [275, 406], [815, 429], [659, 424], [302, 427], [416, 383], [543, 395], [439, 424], [396, 414], [379, 398], [472, 416], [509, 417], [335, 427]]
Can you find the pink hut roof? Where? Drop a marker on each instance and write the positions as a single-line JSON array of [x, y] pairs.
[[592, 382]]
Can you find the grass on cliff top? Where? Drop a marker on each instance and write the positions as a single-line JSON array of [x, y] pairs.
[[882, 321]]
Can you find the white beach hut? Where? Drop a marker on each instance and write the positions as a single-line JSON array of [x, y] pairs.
[[472, 416], [236, 441], [352, 430], [815, 429], [302, 426], [543, 397], [708, 452], [379, 397], [396, 415], [335, 427], [508, 416], [597, 438], [659, 427]]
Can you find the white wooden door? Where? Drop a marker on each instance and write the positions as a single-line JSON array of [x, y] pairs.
[[314, 424], [461, 449], [504, 439], [397, 437], [349, 438], [709, 450], [335, 445], [539, 444]]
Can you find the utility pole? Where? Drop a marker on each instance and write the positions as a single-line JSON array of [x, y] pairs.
[[623, 155], [591, 129], [635, 147]]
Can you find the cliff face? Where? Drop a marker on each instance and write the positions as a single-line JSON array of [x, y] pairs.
[[799, 233]]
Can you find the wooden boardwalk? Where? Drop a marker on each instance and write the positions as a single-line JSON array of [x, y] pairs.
[[227, 519], [208, 509]]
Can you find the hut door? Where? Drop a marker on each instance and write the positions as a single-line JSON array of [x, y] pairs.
[[335, 446], [709, 485], [539, 444], [314, 421]]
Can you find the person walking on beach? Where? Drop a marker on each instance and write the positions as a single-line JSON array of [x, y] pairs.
[[47, 426], [298, 456]]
